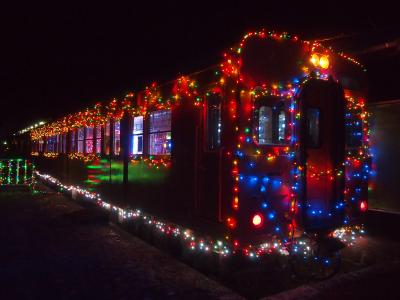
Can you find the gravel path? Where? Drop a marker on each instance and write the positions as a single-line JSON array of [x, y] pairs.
[[51, 248]]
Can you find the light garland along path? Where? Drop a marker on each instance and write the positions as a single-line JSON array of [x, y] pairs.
[[348, 235]]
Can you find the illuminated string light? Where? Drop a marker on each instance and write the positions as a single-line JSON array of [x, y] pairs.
[[192, 241]]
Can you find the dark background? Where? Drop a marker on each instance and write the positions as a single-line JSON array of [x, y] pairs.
[[58, 58]]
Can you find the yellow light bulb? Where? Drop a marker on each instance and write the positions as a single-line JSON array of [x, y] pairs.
[[324, 62], [314, 59]]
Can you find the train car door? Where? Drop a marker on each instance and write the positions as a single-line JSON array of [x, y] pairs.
[[209, 160], [322, 144]]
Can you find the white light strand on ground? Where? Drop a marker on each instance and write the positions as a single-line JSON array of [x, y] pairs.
[[348, 235]]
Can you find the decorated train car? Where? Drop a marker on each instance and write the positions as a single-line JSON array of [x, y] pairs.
[[269, 144]]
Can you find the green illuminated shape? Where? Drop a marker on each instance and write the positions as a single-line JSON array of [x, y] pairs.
[[93, 167], [141, 172]]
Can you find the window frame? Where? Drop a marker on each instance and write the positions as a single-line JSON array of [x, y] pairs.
[[80, 140], [87, 138], [113, 148], [271, 102], [107, 138], [73, 141], [134, 134], [99, 140], [150, 132]]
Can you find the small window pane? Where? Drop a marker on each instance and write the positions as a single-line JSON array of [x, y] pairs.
[[89, 133], [160, 132], [160, 143], [137, 142], [89, 146], [89, 140], [64, 149], [281, 127], [160, 121], [98, 131], [98, 146], [213, 120], [117, 138], [72, 146], [107, 138], [81, 134], [138, 125], [313, 123], [80, 146], [272, 125], [265, 125]]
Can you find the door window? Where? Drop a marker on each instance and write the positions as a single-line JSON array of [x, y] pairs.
[[313, 130], [213, 122]]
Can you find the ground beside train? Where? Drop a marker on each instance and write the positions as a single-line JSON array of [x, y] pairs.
[[53, 248]]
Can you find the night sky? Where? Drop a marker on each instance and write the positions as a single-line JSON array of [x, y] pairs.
[[62, 58]]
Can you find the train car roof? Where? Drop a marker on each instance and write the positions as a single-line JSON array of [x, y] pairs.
[[261, 58]]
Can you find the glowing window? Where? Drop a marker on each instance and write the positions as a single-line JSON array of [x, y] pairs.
[[265, 125], [53, 144], [107, 138], [117, 137], [41, 145], [213, 122], [81, 136], [137, 141], [64, 143], [98, 139], [271, 125], [160, 132], [56, 143], [89, 140], [72, 145]]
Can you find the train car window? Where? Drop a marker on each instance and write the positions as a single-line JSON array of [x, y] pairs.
[[107, 131], [271, 125], [64, 144], [117, 137], [89, 140], [98, 139], [72, 145], [137, 143], [81, 136], [49, 144], [265, 125], [313, 124], [52, 144], [59, 143], [55, 143], [213, 122], [160, 132]]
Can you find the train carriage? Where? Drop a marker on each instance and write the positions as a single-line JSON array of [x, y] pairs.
[[269, 144]]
